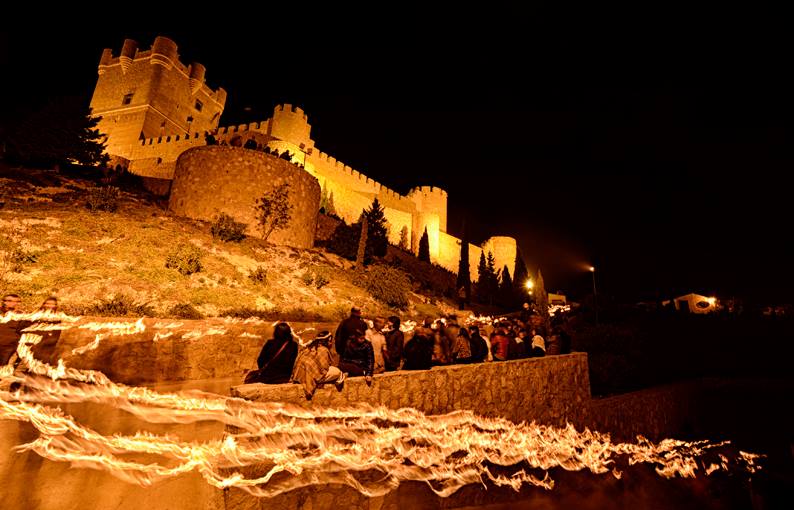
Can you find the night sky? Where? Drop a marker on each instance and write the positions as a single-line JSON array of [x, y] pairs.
[[665, 164]]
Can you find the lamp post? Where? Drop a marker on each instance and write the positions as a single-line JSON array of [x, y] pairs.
[[595, 296]]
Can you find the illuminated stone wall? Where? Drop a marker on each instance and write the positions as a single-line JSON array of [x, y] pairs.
[[549, 390], [215, 179]]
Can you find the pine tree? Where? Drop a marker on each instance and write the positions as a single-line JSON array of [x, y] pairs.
[[62, 132], [506, 288], [424, 247], [377, 236], [520, 280], [542, 301], [362, 245], [404, 238], [486, 279], [464, 274]]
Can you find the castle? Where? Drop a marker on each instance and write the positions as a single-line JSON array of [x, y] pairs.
[[154, 108]]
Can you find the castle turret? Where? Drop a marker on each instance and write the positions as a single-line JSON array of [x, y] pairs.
[[164, 52], [151, 94], [128, 52]]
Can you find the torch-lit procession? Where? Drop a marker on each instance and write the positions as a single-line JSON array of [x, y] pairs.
[[229, 286]]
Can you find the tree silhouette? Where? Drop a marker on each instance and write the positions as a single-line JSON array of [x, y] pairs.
[[424, 247], [464, 274], [362, 244], [61, 133], [377, 236]]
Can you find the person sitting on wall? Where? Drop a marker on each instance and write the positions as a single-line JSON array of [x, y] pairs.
[[359, 357], [375, 336], [394, 345], [277, 358], [442, 347], [538, 345], [346, 329], [479, 346], [419, 350], [44, 351], [314, 366]]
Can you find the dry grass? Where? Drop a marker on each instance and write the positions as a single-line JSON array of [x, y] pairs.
[[84, 257]]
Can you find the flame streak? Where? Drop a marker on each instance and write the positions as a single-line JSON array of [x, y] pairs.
[[275, 447]]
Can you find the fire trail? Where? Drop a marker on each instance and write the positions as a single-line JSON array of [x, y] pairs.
[[271, 448]]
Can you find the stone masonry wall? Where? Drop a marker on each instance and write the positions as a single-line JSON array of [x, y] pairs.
[[214, 179], [549, 390], [172, 349]]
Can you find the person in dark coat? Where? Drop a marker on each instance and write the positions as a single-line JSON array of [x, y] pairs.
[[418, 351], [277, 358], [347, 330], [44, 351], [359, 357], [479, 347], [395, 340], [11, 330]]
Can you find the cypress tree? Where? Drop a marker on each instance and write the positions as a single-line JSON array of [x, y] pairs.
[[464, 274], [424, 247]]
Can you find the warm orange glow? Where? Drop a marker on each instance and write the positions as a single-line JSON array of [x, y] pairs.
[[712, 301], [296, 447], [591, 269], [529, 285]]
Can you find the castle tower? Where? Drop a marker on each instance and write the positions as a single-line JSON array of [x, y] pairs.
[[431, 213], [291, 131], [147, 94]]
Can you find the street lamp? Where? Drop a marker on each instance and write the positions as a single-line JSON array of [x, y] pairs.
[[529, 286], [595, 296]]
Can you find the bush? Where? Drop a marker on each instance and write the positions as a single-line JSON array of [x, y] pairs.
[[258, 275], [244, 313], [184, 311], [14, 256], [307, 278], [103, 198], [226, 229], [317, 277], [321, 279], [185, 258], [344, 240], [119, 306], [388, 285]]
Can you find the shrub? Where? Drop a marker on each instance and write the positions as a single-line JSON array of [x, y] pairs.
[[344, 240], [388, 285], [245, 313], [226, 229], [184, 311], [258, 275], [321, 279], [307, 278], [185, 258], [103, 198], [118, 306]]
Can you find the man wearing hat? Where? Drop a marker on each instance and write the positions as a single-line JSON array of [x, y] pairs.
[[347, 329], [314, 366]]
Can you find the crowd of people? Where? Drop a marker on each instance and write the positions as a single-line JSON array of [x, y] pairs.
[[360, 348]]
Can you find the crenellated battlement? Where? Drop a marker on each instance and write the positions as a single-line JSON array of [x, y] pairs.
[[163, 52], [288, 108]]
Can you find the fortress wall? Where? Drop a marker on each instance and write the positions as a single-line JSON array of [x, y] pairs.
[[214, 179]]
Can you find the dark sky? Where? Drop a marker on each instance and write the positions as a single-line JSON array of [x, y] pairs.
[[661, 158]]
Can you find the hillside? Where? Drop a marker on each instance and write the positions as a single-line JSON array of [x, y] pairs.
[[114, 262]]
